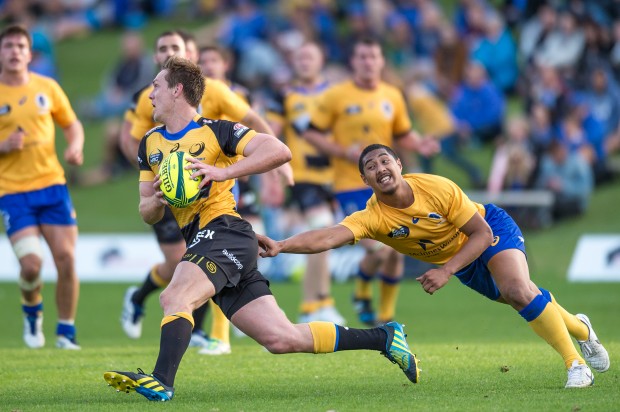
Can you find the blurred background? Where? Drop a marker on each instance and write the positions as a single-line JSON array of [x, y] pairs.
[[531, 88]]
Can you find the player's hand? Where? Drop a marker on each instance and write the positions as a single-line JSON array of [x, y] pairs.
[[428, 146], [433, 280], [353, 153], [158, 195], [270, 247], [14, 142], [209, 173], [286, 174], [74, 155]]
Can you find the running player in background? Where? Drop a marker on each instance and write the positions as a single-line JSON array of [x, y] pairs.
[[359, 112], [34, 199], [430, 218], [220, 261], [289, 116], [216, 103]]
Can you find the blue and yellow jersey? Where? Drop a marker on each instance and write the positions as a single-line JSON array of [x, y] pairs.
[[360, 117], [433, 117], [292, 110], [214, 142], [33, 107], [429, 229], [218, 102]]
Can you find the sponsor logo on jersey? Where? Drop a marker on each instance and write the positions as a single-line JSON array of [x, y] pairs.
[[175, 147], [6, 109], [203, 234], [197, 149], [399, 233], [424, 243], [23, 100], [415, 220], [154, 158], [232, 258], [239, 130], [43, 102], [353, 109], [436, 217], [387, 109], [211, 267]]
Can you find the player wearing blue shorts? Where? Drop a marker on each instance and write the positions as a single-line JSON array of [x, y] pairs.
[[34, 200], [430, 218]]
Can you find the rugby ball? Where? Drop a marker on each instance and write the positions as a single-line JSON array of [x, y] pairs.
[[179, 189]]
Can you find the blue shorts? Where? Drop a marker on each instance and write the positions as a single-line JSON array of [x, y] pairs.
[[354, 200], [49, 206], [506, 235]]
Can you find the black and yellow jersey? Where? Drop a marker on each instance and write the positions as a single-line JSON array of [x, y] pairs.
[[291, 109], [32, 108], [429, 229], [218, 102], [214, 142], [361, 117]]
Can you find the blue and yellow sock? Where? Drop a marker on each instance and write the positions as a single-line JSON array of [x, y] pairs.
[[576, 328], [220, 329], [363, 288], [389, 288], [329, 337], [546, 321]]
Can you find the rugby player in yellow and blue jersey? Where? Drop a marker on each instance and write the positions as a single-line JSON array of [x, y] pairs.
[[359, 112], [220, 261], [34, 200], [430, 218], [289, 116]]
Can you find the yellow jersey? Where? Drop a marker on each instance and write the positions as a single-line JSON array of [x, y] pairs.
[[361, 117], [218, 102], [292, 110], [429, 229], [214, 142], [33, 107], [432, 116]]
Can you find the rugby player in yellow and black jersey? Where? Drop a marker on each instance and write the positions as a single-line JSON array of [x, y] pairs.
[[430, 218], [220, 261], [289, 115]]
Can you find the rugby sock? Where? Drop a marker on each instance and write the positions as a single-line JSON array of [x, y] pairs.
[[388, 288], [362, 285], [33, 310], [329, 337], [546, 321], [576, 328], [152, 282], [66, 327], [310, 306], [176, 332], [199, 317], [326, 302], [221, 325]]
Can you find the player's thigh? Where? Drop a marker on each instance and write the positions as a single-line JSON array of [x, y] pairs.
[[173, 251], [61, 240], [510, 272], [189, 289]]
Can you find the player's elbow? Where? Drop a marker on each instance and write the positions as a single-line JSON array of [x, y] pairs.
[[283, 154]]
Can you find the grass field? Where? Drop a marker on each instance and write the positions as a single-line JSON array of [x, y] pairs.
[[475, 354]]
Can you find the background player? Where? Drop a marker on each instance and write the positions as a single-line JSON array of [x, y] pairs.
[[220, 261], [358, 112], [34, 199], [430, 218], [289, 116], [218, 102]]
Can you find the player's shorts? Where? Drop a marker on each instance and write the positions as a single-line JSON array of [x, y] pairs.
[[309, 195], [226, 250], [506, 235], [354, 200], [167, 229], [49, 206]]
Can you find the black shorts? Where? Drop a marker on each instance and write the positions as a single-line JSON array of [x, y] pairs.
[[167, 229], [309, 195], [226, 250]]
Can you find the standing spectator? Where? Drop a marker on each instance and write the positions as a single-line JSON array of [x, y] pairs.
[[563, 47], [535, 31], [34, 199], [478, 106], [569, 177], [450, 58], [496, 51]]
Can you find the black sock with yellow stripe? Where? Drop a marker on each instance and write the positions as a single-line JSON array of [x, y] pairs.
[[329, 337], [152, 283], [176, 332]]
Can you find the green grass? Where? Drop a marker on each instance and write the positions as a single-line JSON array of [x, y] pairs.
[[463, 341]]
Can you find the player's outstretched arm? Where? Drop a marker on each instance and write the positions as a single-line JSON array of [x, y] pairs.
[[129, 145], [74, 153], [151, 201], [313, 241]]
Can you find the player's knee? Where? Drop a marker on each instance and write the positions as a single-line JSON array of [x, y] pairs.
[[518, 295], [30, 267], [65, 261]]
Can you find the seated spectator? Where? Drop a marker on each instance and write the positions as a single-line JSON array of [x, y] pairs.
[[595, 54], [550, 90], [428, 33], [513, 161], [563, 47], [535, 31], [569, 177], [603, 100], [434, 120], [478, 106], [496, 51]]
